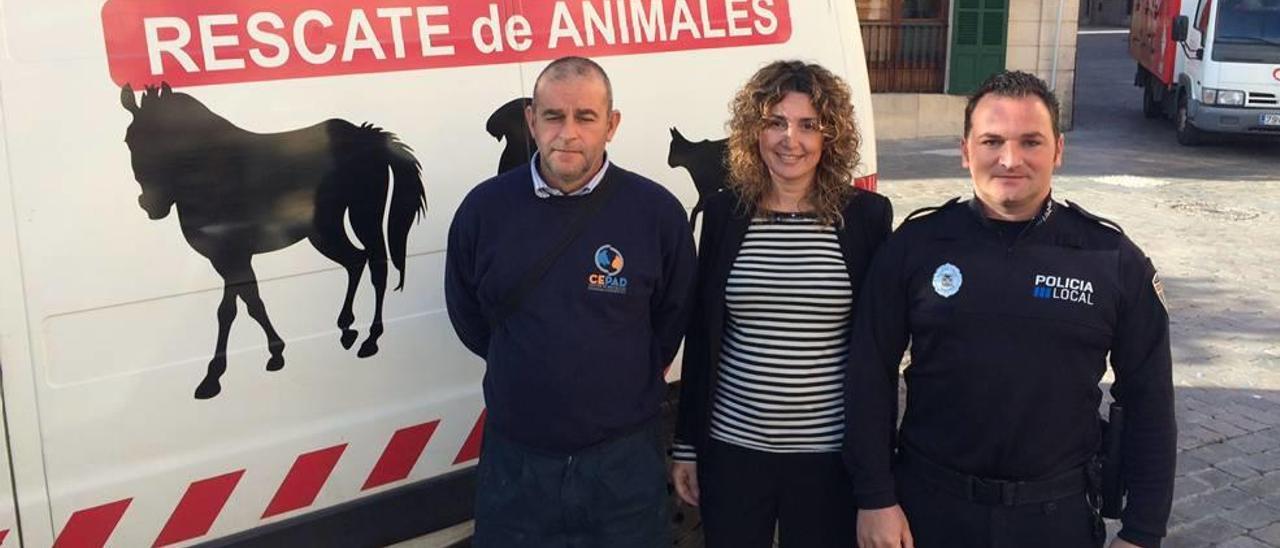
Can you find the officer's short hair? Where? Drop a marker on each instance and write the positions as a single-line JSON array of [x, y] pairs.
[[1017, 84], [574, 67]]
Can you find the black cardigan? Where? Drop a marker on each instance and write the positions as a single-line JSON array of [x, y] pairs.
[[868, 219]]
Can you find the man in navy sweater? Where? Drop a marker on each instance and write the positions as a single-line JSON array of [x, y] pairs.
[[574, 379]]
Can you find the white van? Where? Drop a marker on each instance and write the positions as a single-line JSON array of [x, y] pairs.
[[197, 202]]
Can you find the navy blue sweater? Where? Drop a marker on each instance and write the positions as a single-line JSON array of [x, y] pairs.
[[582, 359]]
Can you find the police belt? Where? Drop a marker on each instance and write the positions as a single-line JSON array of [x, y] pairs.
[[994, 492]]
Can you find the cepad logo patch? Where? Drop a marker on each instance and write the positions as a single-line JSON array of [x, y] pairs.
[[609, 262]]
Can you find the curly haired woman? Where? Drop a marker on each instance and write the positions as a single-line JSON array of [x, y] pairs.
[[782, 255]]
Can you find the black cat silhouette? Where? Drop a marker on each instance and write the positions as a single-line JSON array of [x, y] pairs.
[[705, 161], [507, 123], [239, 194]]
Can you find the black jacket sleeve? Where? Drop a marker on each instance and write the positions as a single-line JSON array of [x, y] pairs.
[[876, 343], [461, 299], [695, 369], [1141, 360], [879, 224], [670, 303]]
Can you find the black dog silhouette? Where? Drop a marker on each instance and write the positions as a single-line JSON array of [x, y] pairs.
[[705, 161], [508, 123], [239, 194]]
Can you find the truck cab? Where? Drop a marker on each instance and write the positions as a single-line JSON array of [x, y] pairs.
[[1211, 65]]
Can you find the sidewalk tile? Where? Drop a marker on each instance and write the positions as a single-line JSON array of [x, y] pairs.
[[1243, 542], [1269, 535], [1212, 503], [1185, 486], [1254, 515], [1237, 468], [1264, 462], [1210, 530], [1255, 442], [1266, 485]]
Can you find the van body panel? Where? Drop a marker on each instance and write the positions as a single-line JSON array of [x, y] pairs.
[[109, 301]]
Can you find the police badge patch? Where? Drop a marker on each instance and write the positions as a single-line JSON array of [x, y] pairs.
[[1158, 285], [947, 280]]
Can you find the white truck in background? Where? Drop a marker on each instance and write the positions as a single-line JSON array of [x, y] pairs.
[[1211, 65]]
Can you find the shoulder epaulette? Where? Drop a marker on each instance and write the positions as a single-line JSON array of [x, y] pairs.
[[927, 210], [1100, 220]]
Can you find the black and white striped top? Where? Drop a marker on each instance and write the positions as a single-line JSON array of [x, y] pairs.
[[788, 304]]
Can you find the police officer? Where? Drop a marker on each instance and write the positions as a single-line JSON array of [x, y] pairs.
[[1011, 303]]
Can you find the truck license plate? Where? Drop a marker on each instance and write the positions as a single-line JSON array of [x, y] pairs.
[[1269, 119]]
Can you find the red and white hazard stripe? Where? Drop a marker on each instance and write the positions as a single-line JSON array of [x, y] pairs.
[[204, 499]]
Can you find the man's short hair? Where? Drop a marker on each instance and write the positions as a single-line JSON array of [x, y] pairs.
[[1016, 84], [574, 67]]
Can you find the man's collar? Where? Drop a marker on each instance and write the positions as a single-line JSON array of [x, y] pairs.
[[543, 190], [1046, 210]]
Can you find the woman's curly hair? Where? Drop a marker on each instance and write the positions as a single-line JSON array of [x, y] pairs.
[[831, 97]]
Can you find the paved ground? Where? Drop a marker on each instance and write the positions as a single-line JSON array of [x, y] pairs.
[[1210, 219]]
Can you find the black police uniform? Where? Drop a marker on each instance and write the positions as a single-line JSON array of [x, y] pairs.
[[1009, 339]]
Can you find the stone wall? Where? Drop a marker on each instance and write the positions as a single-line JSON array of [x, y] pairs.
[[1031, 39]]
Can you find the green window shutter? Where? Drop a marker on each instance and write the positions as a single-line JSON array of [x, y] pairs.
[[977, 43]]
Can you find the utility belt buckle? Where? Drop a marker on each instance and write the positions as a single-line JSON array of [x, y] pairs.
[[992, 492]]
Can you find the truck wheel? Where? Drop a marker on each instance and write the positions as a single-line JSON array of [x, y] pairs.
[[1151, 108], [1188, 135]]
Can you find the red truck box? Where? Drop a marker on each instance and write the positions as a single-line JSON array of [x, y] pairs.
[[1151, 37]]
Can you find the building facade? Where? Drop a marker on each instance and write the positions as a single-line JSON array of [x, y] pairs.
[[925, 56]]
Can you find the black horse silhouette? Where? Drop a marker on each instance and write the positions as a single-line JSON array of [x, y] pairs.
[[239, 194], [508, 123], [705, 161]]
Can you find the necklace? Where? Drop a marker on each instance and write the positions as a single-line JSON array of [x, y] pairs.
[[786, 215]]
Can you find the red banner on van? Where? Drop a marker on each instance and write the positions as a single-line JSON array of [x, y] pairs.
[[189, 43]]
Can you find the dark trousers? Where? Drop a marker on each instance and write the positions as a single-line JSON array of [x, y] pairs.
[[611, 495], [939, 519], [745, 493]]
